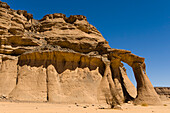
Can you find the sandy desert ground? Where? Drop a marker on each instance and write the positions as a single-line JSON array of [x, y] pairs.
[[25, 107]]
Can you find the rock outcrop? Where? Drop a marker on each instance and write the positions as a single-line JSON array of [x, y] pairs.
[[163, 92], [65, 59]]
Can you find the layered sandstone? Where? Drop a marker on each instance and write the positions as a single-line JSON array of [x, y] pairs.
[[163, 92], [65, 59]]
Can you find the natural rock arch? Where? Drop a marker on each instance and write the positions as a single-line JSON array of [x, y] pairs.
[[52, 58], [145, 90]]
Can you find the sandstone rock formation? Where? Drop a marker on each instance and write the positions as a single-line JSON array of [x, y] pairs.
[[65, 59], [163, 92]]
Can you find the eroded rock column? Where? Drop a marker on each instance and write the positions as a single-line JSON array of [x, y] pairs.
[[116, 98], [145, 91], [31, 85], [8, 75], [115, 64], [54, 92]]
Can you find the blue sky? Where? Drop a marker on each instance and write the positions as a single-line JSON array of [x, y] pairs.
[[141, 26]]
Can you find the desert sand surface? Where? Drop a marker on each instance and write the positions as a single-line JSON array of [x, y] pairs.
[[26, 107]]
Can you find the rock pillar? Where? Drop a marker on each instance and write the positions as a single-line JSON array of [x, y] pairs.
[[145, 91], [117, 100], [115, 64]]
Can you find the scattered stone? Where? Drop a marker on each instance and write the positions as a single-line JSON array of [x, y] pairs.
[[3, 97], [129, 102], [84, 106], [76, 104], [101, 108], [118, 107]]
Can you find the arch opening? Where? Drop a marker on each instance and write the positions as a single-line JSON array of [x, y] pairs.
[[130, 74], [128, 86]]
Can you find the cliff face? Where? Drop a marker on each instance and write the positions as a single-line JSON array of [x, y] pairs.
[[65, 59]]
